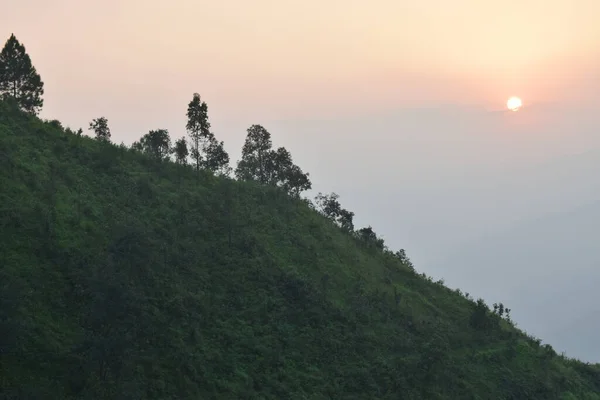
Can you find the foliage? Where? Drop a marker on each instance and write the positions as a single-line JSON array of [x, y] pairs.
[[332, 209], [156, 143], [207, 152], [19, 80], [256, 161], [217, 159], [181, 151], [367, 235], [123, 281], [198, 128], [101, 129], [262, 164]]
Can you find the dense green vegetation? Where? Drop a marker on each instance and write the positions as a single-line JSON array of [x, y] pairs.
[[125, 275]]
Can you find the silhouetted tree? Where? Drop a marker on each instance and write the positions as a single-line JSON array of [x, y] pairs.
[[401, 255], [79, 131], [256, 161], [328, 205], [217, 159], [282, 172], [277, 165], [181, 151], [295, 181], [332, 209], [198, 128], [370, 237], [19, 80], [156, 144], [261, 163], [101, 129], [345, 218]]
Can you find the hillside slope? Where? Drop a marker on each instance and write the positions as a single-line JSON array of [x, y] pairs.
[[556, 253], [124, 278]]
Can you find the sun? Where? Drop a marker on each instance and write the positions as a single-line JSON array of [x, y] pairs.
[[514, 104]]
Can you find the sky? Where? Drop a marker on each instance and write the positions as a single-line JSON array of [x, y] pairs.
[[398, 106]]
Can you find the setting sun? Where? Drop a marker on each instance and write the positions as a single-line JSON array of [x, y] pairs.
[[514, 103]]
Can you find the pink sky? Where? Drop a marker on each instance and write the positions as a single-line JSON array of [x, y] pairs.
[[267, 58]]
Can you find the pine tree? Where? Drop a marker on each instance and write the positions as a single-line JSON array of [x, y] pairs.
[[19, 80]]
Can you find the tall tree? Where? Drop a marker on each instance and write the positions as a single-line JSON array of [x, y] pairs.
[[156, 144], [296, 181], [198, 128], [101, 129], [217, 159], [19, 80], [274, 167], [256, 161], [288, 175], [279, 162], [181, 151]]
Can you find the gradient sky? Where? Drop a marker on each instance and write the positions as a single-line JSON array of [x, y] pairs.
[[398, 106]]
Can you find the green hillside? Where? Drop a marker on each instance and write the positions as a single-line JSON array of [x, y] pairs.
[[123, 277]]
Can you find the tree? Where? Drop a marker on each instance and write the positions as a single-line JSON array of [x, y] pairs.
[[198, 128], [369, 236], [345, 220], [295, 181], [256, 159], [279, 162], [217, 159], [156, 144], [79, 131], [404, 259], [330, 207], [181, 151], [262, 164], [101, 129], [19, 80]]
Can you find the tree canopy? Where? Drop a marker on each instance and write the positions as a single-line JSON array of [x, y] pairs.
[[101, 129], [181, 151], [261, 163], [155, 143], [198, 129], [19, 80], [206, 151]]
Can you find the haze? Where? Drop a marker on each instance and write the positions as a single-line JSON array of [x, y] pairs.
[[398, 106]]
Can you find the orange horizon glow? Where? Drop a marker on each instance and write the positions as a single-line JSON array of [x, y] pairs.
[[267, 57]]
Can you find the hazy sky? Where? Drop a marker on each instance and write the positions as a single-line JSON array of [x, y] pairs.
[[398, 106]]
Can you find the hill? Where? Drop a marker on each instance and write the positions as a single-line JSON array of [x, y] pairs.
[[126, 277]]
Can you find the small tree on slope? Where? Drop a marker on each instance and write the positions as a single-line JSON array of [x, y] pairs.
[[101, 129]]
